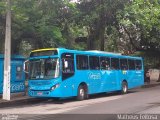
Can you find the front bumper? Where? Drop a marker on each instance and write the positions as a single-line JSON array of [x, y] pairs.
[[45, 93]]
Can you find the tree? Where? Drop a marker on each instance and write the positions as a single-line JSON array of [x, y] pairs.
[[2, 24], [96, 16], [39, 24], [140, 21]]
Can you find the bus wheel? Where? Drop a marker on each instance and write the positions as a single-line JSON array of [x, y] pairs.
[[82, 93], [56, 98], [124, 87]]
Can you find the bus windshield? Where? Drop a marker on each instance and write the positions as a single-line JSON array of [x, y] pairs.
[[44, 68]]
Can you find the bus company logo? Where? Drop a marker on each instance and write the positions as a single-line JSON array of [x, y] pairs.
[[94, 76], [17, 87]]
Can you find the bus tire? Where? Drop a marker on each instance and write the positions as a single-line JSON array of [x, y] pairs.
[[56, 98], [82, 93], [124, 89]]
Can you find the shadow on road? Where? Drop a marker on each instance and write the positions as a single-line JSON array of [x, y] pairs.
[[43, 101]]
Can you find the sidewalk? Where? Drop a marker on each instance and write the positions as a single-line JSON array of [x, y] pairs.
[[153, 83], [18, 99], [23, 99]]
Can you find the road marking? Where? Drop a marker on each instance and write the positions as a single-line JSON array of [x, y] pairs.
[[79, 104]]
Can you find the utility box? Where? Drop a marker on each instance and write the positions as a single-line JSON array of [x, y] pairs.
[[17, 73]]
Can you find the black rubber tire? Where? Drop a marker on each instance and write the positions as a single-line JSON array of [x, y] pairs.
[[56, 98], [82, 93], [124, 89]]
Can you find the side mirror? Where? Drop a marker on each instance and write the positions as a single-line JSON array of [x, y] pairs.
[[26, 66]]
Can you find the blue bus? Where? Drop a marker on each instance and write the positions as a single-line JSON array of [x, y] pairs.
[[60, 72], [17, 73]]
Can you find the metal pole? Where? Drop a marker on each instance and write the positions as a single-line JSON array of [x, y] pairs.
[[7, 54]]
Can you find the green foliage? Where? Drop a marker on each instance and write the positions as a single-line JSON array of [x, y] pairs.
[[111, 25], [151, 59], [144, 17], [112, 40]]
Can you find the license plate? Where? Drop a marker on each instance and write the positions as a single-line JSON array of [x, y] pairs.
[[39, 93]]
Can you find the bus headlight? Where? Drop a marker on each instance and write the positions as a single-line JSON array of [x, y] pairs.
[[54, 87]]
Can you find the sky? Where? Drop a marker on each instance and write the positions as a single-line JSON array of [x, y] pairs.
[[74, 0]]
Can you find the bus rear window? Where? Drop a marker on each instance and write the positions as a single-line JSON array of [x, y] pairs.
[[44, 53]]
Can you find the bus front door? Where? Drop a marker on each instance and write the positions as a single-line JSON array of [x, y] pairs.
[[68, 72]]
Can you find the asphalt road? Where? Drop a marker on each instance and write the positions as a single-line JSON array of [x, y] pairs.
[[137, 101]]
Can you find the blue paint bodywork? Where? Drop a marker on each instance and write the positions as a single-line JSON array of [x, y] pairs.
[[105, 81], [17, 77]]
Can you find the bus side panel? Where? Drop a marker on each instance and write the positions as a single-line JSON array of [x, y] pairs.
[[139, 75], [17, 76], [79, 77], [135, 78], [67, 87], [113, 80], [17, 85], [106, 81], [93, 79], [131, 78], [98, 81], [122, 75]]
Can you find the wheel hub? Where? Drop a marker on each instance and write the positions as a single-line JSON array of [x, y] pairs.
[[125, 88], [82, 92]]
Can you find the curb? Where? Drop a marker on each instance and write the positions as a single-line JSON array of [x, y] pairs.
[[24, 101], [150, 85]]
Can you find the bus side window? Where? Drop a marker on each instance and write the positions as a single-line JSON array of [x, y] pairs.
[[82, 62], [123, 64], [105, 63], [94, 63], [131, 64], [67, 65], [114, 63], [138, 64]]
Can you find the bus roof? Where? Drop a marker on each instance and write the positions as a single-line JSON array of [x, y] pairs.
[[45, 49], [90, 52], [104, 52], [13, 56], [101, 53]]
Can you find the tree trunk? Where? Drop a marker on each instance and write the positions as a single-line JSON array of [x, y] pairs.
[[67, 35], [102, 26], [15, 46], [101, 37], [91, 39]]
